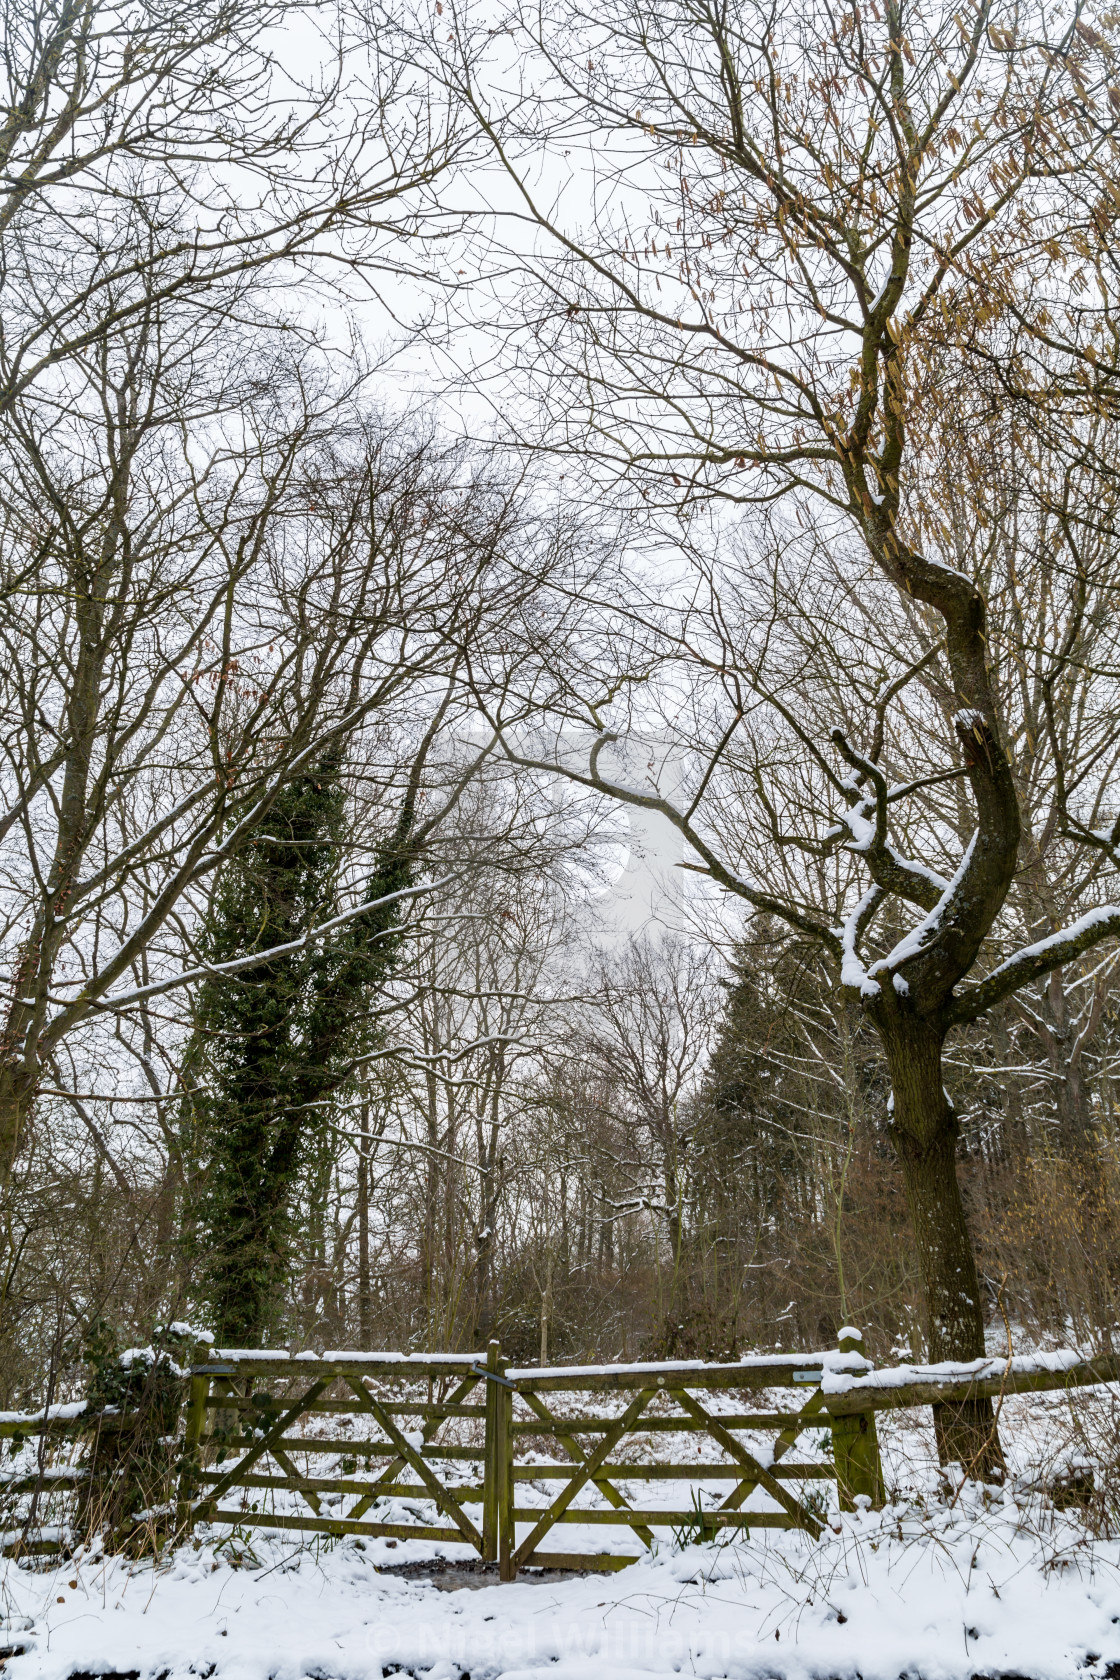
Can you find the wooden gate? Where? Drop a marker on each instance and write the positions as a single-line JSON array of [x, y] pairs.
[[247, 1422], [665, 1398], [230, 1413]]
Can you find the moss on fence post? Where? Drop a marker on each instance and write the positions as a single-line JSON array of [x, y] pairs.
[[490, 1499], [191, 1460], [855, 1446]]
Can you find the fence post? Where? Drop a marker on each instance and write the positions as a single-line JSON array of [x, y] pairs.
[[491, 1460], [855, 1446], [197, 1396], [507, 1532]]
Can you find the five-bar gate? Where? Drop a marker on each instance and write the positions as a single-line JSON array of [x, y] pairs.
[[265, 1410]]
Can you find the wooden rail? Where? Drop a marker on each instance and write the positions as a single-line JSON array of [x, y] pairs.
[[997, 1377], [28, 1426]]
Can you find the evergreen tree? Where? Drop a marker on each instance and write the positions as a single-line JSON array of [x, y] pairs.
[[746, 1167], [791, 1174], [274, 1045]]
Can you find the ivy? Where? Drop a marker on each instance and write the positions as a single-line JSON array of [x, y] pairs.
[[132, 1456], [274, 1045]]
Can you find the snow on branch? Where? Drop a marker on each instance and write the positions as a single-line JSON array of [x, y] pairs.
[[912, 944], [852, 971], [214, 971], [866, 821], [1026, 965]]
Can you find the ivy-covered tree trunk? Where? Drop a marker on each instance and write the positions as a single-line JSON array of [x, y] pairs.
[[274, 1044]]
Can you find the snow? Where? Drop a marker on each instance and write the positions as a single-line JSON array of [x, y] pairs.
[[944, 1592], [852, 971], [860, 826], [830, 1359], [989, 1370], [939, 566], [921, 935], [273, 1355], [190, 1332], [948, 1582], [1103, 915], [48, 1473], [49, 1414], [918, 868]]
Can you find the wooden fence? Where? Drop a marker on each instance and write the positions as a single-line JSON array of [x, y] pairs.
[[230, 1411], [463, 1435]]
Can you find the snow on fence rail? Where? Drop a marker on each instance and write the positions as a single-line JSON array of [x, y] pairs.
[[506, 1414], [933, 1385], [465, 1448]]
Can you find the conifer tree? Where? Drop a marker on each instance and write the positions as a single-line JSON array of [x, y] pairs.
[[746, 1167], [274, 1045]]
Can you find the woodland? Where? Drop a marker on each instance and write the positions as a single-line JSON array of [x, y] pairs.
[[433, 437]]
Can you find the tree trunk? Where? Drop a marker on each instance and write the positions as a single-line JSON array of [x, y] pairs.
[[484, 1252], [17, 1094], [1062, 1042], [924, 1131], [432, 1164], [365, 1303], [546, 1310]]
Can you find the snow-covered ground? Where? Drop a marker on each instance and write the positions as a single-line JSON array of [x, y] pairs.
[[975, 1590], [934, 1586]]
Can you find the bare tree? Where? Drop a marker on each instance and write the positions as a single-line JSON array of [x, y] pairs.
[[189, 618], [1032, 507], [171, 194], [226, 165], [829, 203], [646, 1029]]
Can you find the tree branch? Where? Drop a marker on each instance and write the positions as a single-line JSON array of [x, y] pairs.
[[1034, 960]]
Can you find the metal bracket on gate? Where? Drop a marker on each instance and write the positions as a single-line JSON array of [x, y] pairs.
[[491, 1376]]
